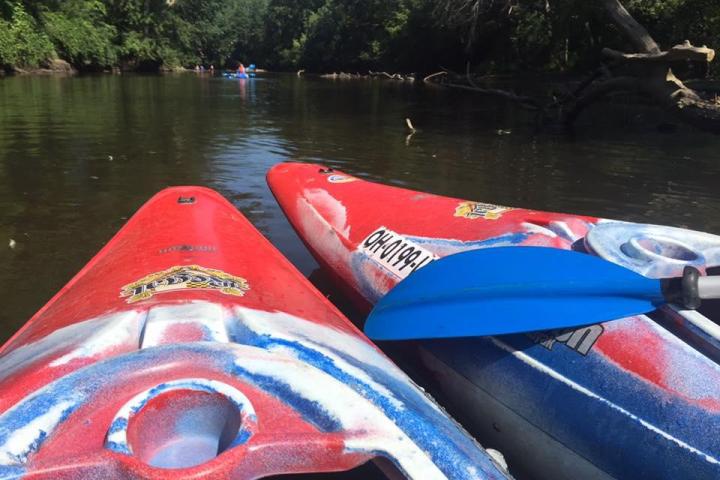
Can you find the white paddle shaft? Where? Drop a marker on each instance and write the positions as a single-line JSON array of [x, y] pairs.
[[709, 287]]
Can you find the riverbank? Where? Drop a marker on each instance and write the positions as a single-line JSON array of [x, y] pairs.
[[64, 68]]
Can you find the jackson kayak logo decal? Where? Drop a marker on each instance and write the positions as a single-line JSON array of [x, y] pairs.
[[395, 253], [186, 276], [340, 179], [474, 210]]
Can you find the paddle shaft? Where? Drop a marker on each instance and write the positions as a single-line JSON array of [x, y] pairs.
[[709, 287]]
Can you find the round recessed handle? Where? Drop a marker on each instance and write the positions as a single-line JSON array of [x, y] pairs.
[[182, 423], [653, 248]]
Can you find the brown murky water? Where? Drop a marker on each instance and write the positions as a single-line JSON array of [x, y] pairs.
[[79, 155]]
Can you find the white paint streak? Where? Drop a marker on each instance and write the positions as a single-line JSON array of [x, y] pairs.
[[564, 230], [539, 229], [19, 443], [367, 426], [289, 327], [585, 391], [79, 340], [313, 225], [209, 318], [335, 212]]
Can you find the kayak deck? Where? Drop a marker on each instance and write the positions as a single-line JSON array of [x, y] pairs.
[[633, 398], [190, 348]]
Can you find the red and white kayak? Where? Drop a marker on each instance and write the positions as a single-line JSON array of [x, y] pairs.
[[634, 398], [190, 348]]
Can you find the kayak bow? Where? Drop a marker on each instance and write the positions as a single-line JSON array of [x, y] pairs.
[[190, 348], [632, 398]]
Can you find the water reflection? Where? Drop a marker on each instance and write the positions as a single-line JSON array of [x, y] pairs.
[[79, 155]]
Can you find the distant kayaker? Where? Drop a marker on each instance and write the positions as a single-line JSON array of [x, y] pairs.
[[241, 69]]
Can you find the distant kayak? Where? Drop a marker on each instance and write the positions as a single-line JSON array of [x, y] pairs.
[[248, 73], [189, 347], [241, 76], [628, 399]]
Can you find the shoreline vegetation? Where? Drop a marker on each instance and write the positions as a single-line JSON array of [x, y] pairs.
[[326, 36], [651, 48]]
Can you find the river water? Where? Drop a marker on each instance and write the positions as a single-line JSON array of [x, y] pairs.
[[79, 155]]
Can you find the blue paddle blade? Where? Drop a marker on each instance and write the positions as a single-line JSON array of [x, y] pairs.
[[496, 291]]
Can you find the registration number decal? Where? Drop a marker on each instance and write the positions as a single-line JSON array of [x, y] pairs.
[[395, 253]]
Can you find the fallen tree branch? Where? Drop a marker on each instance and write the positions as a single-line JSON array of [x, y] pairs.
[[649, 73], [636, 33], [678, 53], [433, 75], [526, 102], [370, 74], [378, 74], [598, 90]]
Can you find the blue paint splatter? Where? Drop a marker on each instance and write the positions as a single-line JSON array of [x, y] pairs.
[[311, 411], [11, 472]]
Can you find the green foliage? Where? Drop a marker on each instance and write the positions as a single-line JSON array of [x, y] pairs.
[[285, 26], [80, 34], [22, 42], [148, 31], [247, 30], [332, 35], [8, 52]]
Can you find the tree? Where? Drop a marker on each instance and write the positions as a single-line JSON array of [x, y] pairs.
[[22, 42], [647, 70], [650, 72], [145, 29], [285, 31], [80, 34]]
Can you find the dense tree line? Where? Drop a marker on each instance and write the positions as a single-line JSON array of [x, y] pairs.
[[330, 35], [131, 34]]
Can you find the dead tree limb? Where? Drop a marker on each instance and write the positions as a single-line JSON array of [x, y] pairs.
[[636, 33], [433, 75], [596, 91], [525, 102], [678, 53], [649, 72]]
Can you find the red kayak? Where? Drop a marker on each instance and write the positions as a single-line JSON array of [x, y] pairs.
[[633, 398], [190, 348]]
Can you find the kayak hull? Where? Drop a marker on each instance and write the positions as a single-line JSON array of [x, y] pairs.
[[190, 348], [623, 399]]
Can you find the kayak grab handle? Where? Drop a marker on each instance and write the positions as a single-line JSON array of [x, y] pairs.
[[182, 423], [655, 247]]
